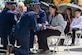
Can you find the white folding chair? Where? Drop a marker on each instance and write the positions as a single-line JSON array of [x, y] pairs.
[[62, 36], [78, 35], [35, 48]]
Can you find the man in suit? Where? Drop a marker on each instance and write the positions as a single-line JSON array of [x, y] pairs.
[[41, 18], [6, 22]]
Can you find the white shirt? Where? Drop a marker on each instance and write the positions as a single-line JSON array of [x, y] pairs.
[[76, 23]]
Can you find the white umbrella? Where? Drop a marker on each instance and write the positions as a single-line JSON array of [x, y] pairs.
[[44, 3], [45, 7], [63, 7]]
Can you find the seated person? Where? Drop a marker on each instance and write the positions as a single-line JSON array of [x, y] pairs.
[[68, 17], [55, 27], [76, 24]]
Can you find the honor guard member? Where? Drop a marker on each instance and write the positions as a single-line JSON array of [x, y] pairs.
[[18, 11], [22, 32], [6, 22], [41, 18]]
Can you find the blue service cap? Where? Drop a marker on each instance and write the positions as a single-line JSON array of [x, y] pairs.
[[35, 2], [11, 2]]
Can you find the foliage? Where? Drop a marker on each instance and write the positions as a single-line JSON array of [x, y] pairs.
[[0, 8], [27, 2]]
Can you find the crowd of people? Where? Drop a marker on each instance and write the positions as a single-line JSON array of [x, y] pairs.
[[20, 23]]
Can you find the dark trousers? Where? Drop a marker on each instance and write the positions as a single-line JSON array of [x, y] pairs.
[[4, 40], [67, 28], [42, 37], [12, 38], [24, 49], [73, 34], [32, 33]]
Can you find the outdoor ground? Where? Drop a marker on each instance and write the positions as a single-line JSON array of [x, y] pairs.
[[74, 50]]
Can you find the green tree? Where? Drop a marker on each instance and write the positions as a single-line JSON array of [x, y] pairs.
[[0, 8], [27, 2]]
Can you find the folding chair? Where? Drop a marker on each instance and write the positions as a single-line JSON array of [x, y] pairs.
[[58, 40], [78, 35], [62, 36], [35, 48]]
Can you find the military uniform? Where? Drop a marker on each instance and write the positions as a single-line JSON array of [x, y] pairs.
[[22, 32], [40, 20], [6, 22]]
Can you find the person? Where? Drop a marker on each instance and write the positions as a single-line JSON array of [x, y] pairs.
[[18, 13], [68, 17], [55, 27], [22, 32], [76, 25], [41, 19], [6, 22], [6, 5]]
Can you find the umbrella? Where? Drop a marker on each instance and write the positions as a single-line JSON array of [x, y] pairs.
[[44, 5], [63, 7]]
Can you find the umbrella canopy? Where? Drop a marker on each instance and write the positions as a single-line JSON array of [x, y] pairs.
[[63, 7], [44, 5]]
